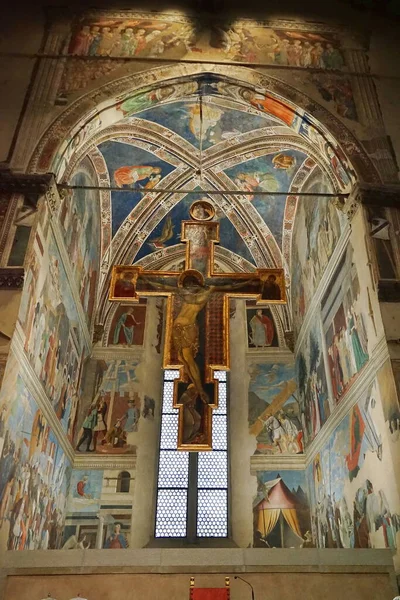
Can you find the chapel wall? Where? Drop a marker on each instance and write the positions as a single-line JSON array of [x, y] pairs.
[[41, 386], [350, 428], [321, 392]]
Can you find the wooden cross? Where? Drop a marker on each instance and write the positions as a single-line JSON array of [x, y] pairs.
[[197, 321]]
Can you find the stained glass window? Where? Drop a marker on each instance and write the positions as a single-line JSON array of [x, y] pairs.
[[205, 500]]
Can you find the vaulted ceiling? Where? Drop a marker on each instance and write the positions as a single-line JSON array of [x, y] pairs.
[[204, 138]]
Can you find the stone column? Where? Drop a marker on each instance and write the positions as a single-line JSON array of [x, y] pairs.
[[100, 529]]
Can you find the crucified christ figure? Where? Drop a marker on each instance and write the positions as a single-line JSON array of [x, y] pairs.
[[185, 330]]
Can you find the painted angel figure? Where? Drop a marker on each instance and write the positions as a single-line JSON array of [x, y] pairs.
[[130, 175]]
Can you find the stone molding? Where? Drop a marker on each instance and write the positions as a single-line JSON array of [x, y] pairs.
[[117, 353], [27, 184], [264, 462], [198, 560], [8, 208], [384, 195], [279, 355], [107, 461], [389, 291], [11, 278]]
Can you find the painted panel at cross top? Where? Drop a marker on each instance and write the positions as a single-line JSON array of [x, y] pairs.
[[80, 224], [274, 409], [136, 34], [53, 342], [271, 173], [168, 231], [129, 165], [281, 510], [312, 383], [34, 471], [318, 226], [354, 497]]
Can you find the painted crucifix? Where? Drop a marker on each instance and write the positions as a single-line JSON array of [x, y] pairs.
[[197, 320]]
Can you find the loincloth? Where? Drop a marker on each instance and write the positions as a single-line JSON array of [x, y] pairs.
[[186, 336]]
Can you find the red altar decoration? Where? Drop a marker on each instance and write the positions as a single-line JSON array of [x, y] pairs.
[[209, 593]]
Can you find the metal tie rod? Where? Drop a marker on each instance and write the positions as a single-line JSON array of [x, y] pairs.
[[157, 190]]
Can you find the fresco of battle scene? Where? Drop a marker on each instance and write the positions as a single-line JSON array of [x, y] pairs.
[[172, 37], [281, 510], [34, 472], [274, 410], [354, 497], [53, 342]]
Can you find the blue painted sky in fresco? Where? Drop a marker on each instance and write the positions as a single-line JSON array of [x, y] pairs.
[[271, 208], [293, 479], [119, 155], [229, 237], [219, 123], [267, 380]]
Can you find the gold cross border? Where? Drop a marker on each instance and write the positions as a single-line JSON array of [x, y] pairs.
[[136, 271]]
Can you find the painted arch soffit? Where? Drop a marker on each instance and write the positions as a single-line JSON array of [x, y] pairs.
[[153, 207], [240, 151], [182, 80]]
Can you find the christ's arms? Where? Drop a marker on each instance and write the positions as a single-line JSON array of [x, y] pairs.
[[159, 286], [232, 286]]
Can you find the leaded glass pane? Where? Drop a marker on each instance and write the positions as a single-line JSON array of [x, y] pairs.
[[171, 374], [171, 513], [212, 513], [169, 431], [213, 470], [221, 410], [168, 397], [173, 470], [219, 434], [220, 375]]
